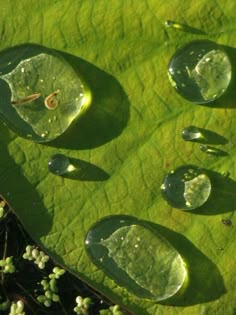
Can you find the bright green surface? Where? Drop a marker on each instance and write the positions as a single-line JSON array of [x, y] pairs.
[[132, 132]]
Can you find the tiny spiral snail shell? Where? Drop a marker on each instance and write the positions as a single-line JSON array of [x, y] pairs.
[[51, 101]]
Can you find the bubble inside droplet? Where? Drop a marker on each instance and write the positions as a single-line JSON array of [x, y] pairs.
[[136, 257], [200, 71], [188, 187], [59, 164]]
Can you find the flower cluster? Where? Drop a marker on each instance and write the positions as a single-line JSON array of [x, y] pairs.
[[113, 310], [2, 210], [17, 308], [50, 288], [39, 257], [7, 266], [82, 306]]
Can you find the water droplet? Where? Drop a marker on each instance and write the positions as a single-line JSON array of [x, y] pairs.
[[188, 188], [205, 73], [60, 164], [206, 148], [136, 257], [175, 25], [36, 98], [192, 133], [212, 150]]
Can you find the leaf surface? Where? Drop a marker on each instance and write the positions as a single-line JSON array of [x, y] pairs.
[[131, 133]]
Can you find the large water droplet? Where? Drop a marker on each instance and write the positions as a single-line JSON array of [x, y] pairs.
[[46, 94], [136, 257], [188, 187], [200, 71], [60, 164]]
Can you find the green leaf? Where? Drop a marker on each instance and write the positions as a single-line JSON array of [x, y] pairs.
[[132, 133]]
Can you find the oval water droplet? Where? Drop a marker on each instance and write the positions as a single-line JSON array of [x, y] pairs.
[[39, 86], [200, 71], [192, 133], [136, 257], [60, 164], [212, 150], [188, 187]]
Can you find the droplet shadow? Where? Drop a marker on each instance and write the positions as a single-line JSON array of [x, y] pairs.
[[205, 282], [107, 115], [200, 268], [209, 137], [223, 195], [184, 27], [85, 171], [213, 151]]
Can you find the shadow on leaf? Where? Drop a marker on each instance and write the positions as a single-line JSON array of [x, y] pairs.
[[205, 282], [213, 151], [222, 198], [206, 136], [85, 171], [184, 28], [107, 115], [21, 194]]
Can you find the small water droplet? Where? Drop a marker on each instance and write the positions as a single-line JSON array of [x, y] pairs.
[[200, 75], [188, 188], [226, 222], [175, 25], [192, 133], [136, 266], [169, 23], [44, 134], [212, 150], [205, 148], [59, 164]]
